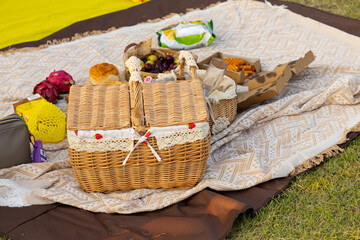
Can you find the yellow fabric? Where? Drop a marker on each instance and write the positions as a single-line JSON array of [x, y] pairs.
[[47, 122], [30, 20]]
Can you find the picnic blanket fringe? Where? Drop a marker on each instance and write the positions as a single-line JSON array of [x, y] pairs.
[[332, 151], [56, 41], [312, 162], [92, 33]]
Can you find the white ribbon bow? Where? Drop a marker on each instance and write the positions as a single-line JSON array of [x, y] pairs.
[[142, 139]]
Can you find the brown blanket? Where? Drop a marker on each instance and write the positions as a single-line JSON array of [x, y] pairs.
[[206, 215]]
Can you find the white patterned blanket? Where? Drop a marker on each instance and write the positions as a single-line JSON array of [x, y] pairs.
[[281, 136]]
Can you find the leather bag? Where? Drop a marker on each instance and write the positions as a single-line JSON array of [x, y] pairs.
[[14, 142]]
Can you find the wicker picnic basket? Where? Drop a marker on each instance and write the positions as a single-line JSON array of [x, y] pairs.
[[225, 109], [221, 103], [167, 122]]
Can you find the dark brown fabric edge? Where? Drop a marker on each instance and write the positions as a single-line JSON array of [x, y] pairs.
[[254, 210], [115, 19]]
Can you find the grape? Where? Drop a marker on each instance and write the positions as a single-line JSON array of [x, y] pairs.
[[172, 66], [152, 58], [169, 59], [151, 62], [148, 67], [159, 69], [158, 64], [165, 65], [161, 59], [142, 64]]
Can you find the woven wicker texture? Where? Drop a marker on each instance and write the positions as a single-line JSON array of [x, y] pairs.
[[225, 108], [181, 166], [174, 103], [108, 107], [137, 106], [93, 107]]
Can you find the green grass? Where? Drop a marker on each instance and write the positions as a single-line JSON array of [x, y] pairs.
[[323, 203], [347, 8]]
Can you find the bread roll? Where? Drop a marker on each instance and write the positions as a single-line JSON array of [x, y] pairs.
[[104, 73]]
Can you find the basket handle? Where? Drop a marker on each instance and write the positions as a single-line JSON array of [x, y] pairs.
[[185, 57], [129, 46], [136, 96]]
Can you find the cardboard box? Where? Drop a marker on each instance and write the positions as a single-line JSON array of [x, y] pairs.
[[270, 84], [238, 77], [265, 86]]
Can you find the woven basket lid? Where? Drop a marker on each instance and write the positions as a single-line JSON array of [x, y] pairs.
[[174, 103], [95, 107]]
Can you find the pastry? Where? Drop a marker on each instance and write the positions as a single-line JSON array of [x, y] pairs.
[[104, 73]]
